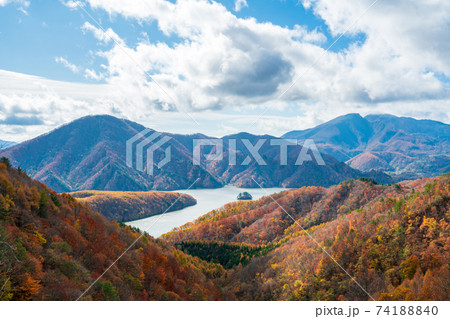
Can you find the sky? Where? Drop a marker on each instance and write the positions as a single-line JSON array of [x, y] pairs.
[[220, 67]]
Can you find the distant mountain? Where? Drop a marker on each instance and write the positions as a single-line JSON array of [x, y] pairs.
[[6, 144], [272, 174], [126, 206], [398, 145], [90, 154]]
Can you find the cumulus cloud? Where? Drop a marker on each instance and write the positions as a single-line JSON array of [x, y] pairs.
[[21, 120], [104, 36], [67, 64], [91, 74], [407, 44], [227, 61], [72, 4], [219, 61], [24, 3], [239, 4]]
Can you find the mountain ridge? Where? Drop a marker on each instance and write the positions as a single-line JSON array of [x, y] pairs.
[[89, 154], [401, 146]]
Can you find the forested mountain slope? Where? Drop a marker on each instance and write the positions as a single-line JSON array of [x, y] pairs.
[[394, 240], [53, 248], [126, 206], [401, 146], [90, 154]]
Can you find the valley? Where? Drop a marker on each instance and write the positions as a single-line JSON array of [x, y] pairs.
[[372, 223], [207, 200], [392, 239]]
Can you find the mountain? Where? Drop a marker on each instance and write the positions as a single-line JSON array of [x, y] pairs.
[[401, 146], [6, 144], [127, 206], [53, 248], [90, 154], [270, 173], [393, 240]]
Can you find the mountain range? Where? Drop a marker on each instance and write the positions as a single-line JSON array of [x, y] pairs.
[[90, 154], [400, 146], [6, 144]]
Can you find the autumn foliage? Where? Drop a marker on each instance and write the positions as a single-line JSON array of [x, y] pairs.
[[127, 206], [393, 240], [53, 248]]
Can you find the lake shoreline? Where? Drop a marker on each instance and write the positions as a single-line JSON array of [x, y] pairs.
[[207, 200]]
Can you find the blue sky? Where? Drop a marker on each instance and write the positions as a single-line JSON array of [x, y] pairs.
[[31, 41], [219, 67]]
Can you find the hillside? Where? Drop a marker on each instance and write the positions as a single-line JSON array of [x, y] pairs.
[[126, 206], [401, 146], [272, 174], [53, 248], [392, 239], [90, 154]]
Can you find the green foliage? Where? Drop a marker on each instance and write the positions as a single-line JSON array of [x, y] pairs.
[[108, 290], [5, 160], [55, 200], [429, 187], [63, 247], [6, 204], [395, 247], [43, 205], [226, 254], [368, 180], [398, 205]]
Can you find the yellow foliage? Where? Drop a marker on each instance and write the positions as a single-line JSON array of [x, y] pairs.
[[41, 238]]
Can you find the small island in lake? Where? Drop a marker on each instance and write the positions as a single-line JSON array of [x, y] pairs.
[[244, 196]]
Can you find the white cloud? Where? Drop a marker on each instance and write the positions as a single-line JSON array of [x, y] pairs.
[[221, 62], [227, 61], [67, 64], [73, 4], [104, 36], [24, 3], [239, 4], [91, 74]]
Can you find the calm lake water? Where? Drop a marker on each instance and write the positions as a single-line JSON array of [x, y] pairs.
[[207, 200]]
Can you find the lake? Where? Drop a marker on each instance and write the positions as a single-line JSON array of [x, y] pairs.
[[207, 200]]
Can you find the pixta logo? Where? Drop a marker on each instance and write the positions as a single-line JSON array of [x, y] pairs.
[[253, 151], [151, 141], [142, 142]]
